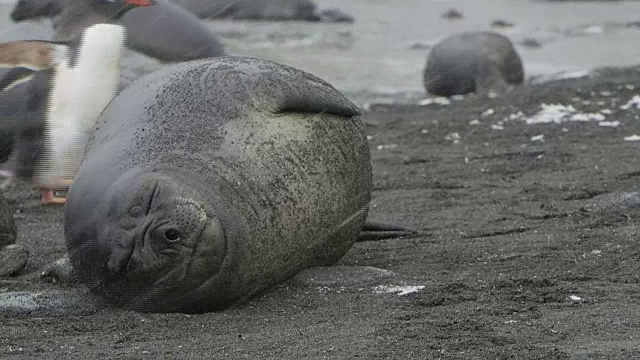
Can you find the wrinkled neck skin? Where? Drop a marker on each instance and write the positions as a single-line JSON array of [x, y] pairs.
[[160, 243]]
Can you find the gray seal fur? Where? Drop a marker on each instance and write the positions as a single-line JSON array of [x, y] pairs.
[[472, 62], [209, 181]]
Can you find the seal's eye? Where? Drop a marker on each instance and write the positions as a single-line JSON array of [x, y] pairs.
[[172, 234]]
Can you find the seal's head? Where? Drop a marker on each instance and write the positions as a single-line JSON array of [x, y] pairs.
[[149, 243]]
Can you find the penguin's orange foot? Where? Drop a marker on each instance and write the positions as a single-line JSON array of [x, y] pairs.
[[57, 196]]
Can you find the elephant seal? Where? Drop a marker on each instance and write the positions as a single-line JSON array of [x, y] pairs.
[[472, 62], [164, 31], [276, 10], [209, 181]]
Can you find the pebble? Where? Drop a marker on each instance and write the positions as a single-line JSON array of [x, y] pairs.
[[452, 14], [630, 199], [8, 230], [13, 258], [59, 271]]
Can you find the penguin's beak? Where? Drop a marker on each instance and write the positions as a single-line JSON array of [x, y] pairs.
[[140, 3]]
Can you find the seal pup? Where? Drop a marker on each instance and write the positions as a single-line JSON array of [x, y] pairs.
[[209, 181], [55, 92], [472, 62], [165, 31], [275, 10]]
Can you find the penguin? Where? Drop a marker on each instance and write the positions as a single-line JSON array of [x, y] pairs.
[[166, 31], [51, 95]]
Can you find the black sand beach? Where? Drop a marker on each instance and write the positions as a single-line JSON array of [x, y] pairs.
[[527, 249]]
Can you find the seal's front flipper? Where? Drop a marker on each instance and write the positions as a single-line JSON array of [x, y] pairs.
[[379, 231]]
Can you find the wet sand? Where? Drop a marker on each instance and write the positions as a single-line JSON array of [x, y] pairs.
[[525, 249]]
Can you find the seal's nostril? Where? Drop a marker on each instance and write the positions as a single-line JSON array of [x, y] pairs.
[[135, 211]]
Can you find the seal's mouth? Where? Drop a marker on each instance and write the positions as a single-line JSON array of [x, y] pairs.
[[161, 240], [141, 235], [160, 228], [144, 232]]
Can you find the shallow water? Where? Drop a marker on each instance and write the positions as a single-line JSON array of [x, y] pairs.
[[381, 56]]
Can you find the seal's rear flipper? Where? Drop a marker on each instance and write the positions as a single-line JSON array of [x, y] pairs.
[[379, 231]]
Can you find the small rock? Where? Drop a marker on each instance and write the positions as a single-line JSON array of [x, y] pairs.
[[633, 24], [630, 199], [400, 290], [575, 299], [488, 112], [594, 29], [452, 14], [8, 230], [420, 46], [334, 15], [499, 23], [539, 137], [13, 259], [49, 303], [436, 100], [530, 43], [59, 271], [21, 301]]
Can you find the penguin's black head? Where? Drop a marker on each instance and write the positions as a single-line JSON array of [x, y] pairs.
[[115, 9]]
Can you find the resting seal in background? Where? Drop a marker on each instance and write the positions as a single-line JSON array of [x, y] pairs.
[[164, 31], [209, 181], [275, 10], [472, 62]]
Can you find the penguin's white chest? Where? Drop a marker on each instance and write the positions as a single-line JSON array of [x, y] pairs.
[[79, 93]]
